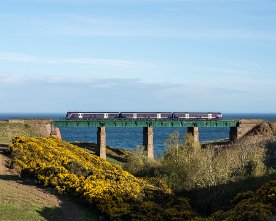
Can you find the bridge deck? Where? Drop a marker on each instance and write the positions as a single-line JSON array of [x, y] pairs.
[[145, 123]]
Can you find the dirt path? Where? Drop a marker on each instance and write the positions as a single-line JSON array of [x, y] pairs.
[[2, 164], [21, 201]]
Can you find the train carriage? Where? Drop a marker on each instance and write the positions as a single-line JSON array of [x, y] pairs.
[[145, 115], [92, 115], [197, 115]]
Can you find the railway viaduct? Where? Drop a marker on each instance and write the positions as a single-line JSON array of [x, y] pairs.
[[49, 127]]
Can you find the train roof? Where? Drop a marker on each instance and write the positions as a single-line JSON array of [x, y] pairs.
[[152, 112], [75, 112], [198, 112], [102, 112]]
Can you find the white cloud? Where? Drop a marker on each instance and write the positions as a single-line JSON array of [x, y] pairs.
[[85, 19], [110, 83], [52, 94], [15, 57], [125, 29]]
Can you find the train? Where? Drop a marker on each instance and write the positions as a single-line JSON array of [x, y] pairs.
[[144, 115]]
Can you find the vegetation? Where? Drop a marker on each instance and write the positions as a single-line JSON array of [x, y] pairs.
[[251, 206], [213, 175], [113, 155], [211, 166], [200, 168], [10, 130], [210, 177], [21, 200], [28, 203], [115, 193], [139, 164]]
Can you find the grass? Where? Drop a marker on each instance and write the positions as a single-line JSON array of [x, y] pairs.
[[35, 212], [16, 211], [23, 200], [17, 202], [26, 202], [10, 130]]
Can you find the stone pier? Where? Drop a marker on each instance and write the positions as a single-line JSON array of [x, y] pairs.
[[244, 126], [194, 131], [101, 142], [148, 141], [233, 134]]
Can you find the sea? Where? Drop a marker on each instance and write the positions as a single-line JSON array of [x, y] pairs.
[[129, 138]]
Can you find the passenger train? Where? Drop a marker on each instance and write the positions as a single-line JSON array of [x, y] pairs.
[[144, 115]]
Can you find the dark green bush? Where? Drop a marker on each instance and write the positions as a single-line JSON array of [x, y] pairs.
[[242, 196], [249, 210]]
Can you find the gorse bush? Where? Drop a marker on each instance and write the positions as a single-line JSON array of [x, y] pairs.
[[113, 191]]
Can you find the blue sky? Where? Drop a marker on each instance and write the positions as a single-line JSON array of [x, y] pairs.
[[142, 55]]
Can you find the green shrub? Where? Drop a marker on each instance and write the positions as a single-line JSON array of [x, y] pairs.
[[247, 210], [186, 167], [242, 196], [267, 193], [139, 165]]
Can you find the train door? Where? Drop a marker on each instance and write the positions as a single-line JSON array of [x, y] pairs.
[[187, 116], [134, 115], [209, 116], [105, 116], [158, 116], [80, 115]]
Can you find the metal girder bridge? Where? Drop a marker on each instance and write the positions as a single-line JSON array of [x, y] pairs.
[[145, 123]]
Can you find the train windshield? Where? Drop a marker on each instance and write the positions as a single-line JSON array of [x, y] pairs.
[[68, 115]]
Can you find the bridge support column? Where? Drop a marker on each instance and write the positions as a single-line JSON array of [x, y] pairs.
[[148, 141], [101, 142], [194, 131], [55, 132], [233, 134]]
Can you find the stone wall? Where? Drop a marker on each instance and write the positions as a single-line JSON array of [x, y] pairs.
[[39, 126]]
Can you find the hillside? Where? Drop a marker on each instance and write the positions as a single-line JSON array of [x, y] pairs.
[[116, 194], [22, 200], [264, 135], [261, 132]]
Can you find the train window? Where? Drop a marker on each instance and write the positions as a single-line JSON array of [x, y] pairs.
[[105, 115], [158, 116], [134, 115]]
